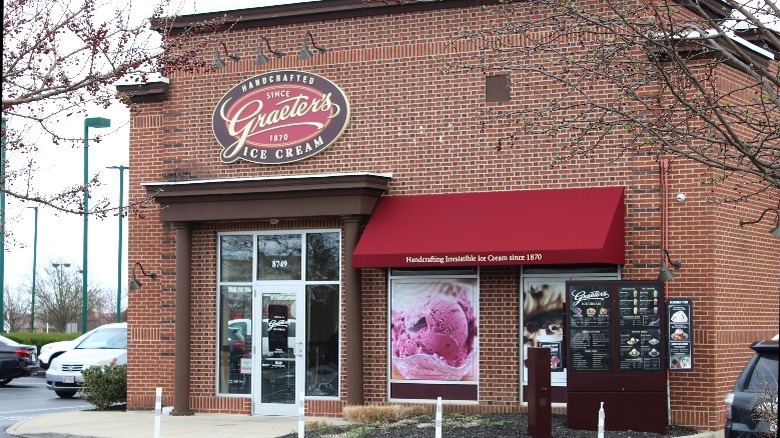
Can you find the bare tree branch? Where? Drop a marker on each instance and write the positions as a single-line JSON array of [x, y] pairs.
[[630, 76], [61, 57]]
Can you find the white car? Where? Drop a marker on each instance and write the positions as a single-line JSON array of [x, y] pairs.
[[106, 345], [50, 351]]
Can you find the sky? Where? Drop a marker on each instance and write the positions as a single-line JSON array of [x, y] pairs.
[[60, 236]]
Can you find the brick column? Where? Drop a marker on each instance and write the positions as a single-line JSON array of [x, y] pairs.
[[181, 350], [353, 309]]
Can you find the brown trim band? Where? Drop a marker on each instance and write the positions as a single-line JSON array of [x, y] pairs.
[[264, 198]]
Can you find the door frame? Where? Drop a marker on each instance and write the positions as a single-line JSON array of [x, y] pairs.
[[297, 346]]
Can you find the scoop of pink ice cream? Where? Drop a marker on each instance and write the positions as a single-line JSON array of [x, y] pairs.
[[439, 325]]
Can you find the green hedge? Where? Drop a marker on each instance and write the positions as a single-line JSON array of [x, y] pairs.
[[40, 339], [104, 385]]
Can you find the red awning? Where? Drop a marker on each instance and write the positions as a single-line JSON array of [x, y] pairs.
[[560, 226]]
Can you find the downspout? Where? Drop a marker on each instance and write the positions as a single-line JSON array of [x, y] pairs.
[[663, 165]]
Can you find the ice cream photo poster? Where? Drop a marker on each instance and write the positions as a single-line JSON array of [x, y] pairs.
[[433, 330]]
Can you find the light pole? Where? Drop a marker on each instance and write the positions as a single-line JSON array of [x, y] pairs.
[[89, 122], [2, 227], [35, 264], [119, 252]]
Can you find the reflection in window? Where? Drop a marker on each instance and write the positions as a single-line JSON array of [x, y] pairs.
[[322, 256], [322, 346], [279, 257], [235, 256], [764, 374], [235, 339], [278, 348]]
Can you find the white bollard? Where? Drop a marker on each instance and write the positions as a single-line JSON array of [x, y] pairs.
[[438, 418], [157, 411], [301, 415], [601, 421]]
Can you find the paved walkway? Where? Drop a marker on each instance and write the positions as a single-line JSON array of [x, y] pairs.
[[133, 424]]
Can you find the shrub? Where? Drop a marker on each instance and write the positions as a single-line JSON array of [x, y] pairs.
[[766, 408], [40, 339], [374, 413], [104, 385]]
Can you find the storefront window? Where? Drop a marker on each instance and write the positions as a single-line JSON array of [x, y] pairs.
[[543, 315], [322, 256], [279, 257], [235, 255], [235, 340], [322, 344], [286, 277], [434, 321]]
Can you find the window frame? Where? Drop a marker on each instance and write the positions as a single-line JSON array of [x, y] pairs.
[[254, 283]]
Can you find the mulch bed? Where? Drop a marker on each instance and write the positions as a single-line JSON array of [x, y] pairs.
[[474, 426]]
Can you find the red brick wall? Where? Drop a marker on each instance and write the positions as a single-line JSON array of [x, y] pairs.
[[422, 126]]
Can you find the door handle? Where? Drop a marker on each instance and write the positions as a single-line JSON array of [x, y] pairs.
[[299, 349]]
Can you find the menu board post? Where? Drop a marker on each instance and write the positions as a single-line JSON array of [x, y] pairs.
[[615, 337]]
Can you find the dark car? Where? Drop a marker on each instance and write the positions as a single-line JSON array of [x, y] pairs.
[[16, 360], [754, 399], [237, 344]]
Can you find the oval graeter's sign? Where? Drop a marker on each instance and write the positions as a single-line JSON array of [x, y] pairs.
[[279, 117]]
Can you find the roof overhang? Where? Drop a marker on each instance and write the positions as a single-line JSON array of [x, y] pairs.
[[275, 197]]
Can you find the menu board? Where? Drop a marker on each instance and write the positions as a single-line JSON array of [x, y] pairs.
[[639, 326], [590, 319], [556, 355], [680, 320]]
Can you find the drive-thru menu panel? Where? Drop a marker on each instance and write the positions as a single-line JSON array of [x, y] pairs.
[[616, 341], [680, 313], [591, 323]]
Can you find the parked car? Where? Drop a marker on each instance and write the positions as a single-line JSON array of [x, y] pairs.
[[106, 345], [755, 390], [16, 360], [51, 350], [237, 344], [244, 327]]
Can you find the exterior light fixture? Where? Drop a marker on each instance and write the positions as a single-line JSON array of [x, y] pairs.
[[774, 231], [305, 53], [220, 62], [134, 283], [665, 274], [261, 59], [675, 263]]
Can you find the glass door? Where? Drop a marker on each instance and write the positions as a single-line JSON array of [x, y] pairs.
[[280, 350]]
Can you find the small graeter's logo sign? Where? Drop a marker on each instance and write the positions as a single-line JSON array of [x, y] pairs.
[[280, 117]]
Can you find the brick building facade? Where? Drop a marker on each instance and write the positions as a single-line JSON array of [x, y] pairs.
[[301, 264]]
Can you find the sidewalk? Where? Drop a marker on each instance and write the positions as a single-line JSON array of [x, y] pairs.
[[133, 424]]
